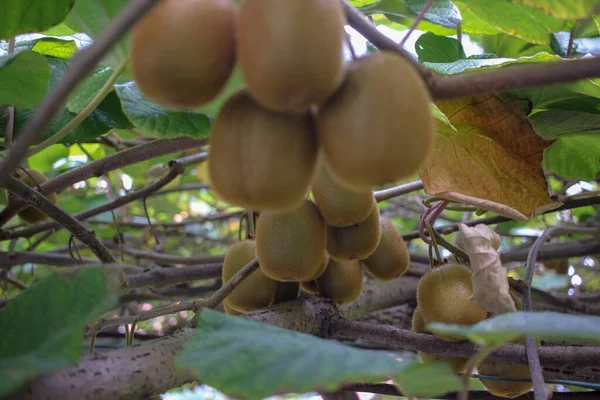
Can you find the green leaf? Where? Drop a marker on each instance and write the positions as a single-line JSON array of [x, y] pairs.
[[438, 49], [23, 79], [572, 9], [42, 329], [254, 360], [545, 325], [418, 379], [439, 115], [44, 160], [150, 117], [582, 96], [473, 25], [559, 123], [471, 64], [53, 47], [574, 156], [92, 17], [22, 16], [510, 18], [87, 89], [441, 12]]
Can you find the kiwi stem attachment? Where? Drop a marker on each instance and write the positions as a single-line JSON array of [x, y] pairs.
[[433, 242], [350, 46], [458, 253], [427, 203], [473, 363], [251, 227]]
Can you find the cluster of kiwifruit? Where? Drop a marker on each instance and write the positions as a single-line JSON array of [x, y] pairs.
[[33, 178], [443, 296], [322, 244], [370, 117]]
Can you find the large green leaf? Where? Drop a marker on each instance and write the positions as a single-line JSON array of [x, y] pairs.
[[42, 329], [571, 9], [438, 49], [441, 12], [473, 25], [583, 95], [545, 325], [255, 360], [23, 79], [472, 64], [150, 117], [92, 17], [54, 47], [574, 156], [86, 90], [22, 16], [552, 124]]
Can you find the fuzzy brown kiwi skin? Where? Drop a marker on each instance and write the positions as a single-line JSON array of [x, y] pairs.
[[255, 292], [311, 285], [391, 258], [260, 159], [342, 281], [377, 128], [418, 326], [355, 242], [290, 245], [443, 296], [340, 205], [277, 77], [32, 178], [230, 310], [175, 71]]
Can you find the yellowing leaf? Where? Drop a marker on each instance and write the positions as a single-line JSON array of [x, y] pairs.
[[492, 160]]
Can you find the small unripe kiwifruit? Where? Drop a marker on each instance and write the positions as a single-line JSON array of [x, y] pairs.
[[560, 266], [290, 245], [418, 326], [183, 51], [261, 159], [342, 281], [32, 178], [256, 291], [298, 60], [443, 296], [340, 205], [391, 259], [355, 242], [502, 388], [378, 127]]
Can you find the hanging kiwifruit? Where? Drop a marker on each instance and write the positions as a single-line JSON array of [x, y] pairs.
[[290, 245], [378, 127], [32, 178], [311, 285], [256, 291], [502, 388], [560, 266], [290, 52], [340, 205], [418, 326], [230, 310], [342, 281], [261, 159], [183, 51], [391, 259], [355, 242], [443, 296]]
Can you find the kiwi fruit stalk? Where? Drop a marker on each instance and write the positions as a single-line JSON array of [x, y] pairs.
[[183, 51], [418, 326], [378, 127], [390, 259], [443, 296], [31, 178], [342, 281], [298, 60], [260, 159], [340, 205], [256, 291], [290, 245], [355, 242]]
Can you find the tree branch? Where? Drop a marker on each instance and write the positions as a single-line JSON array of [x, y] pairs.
[[41, 203], [81, 65], [164, 277], [386, 194]]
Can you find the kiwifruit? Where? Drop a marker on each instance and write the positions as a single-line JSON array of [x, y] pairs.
[[311, 286], [560, 266], [378, 127], [183, 51], [443, 296], [502, 388], [299, 61], [340, 205], [290, 245], [354, 242], [32, 178], [261, 159], [391, 259], [342, 281], [230, 310], [418, 326], [256, 291]]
